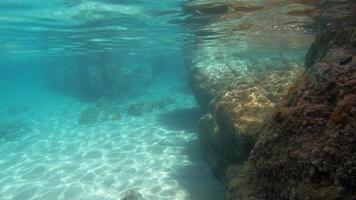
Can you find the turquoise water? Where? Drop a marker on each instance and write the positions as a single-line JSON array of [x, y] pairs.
[[95, 100], [156, 154], [45, 153]]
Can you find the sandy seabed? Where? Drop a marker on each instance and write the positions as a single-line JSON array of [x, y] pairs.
[[156, 154]]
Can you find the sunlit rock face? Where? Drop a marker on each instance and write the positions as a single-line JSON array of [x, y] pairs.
[[245, 57], [306, 149], [235, 116]]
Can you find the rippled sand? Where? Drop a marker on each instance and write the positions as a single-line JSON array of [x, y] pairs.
[[156, 154]]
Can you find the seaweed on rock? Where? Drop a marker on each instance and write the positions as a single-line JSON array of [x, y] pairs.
[[272, 132], [307, 147]]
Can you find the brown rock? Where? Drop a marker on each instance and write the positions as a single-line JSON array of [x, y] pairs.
[[308, 153]]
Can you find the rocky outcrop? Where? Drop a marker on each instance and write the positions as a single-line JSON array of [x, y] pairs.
[[229, 130], [239, 82], [147, 106], [306, 149], [95, 79], [132, 195], [104, 110], [280, 138]]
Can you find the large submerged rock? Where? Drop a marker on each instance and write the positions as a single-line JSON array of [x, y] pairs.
[[229, 130], [307, 148], [132, 195], [240, 71], [102, 111], [94, 79], [147, 106], [271, 132]]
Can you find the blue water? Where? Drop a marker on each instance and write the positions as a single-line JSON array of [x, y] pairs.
[[61, 59], [45, 153]]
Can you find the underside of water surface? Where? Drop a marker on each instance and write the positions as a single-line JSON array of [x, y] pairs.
[[177, 99]]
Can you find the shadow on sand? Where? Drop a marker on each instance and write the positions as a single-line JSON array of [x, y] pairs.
[[181, 119], [194, 177]]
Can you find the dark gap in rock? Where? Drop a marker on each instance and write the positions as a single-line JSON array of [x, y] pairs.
[[346, 61]]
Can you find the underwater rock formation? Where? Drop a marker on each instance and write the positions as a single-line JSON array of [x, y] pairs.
[[290, 136], [97, 80], [104, 110], [147, 106], [307, 148], [11, 130], [240, 71], [237, 93], [17, 110], [132, 195], [229, 130]]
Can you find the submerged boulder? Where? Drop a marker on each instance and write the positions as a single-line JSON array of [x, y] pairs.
[[306, 149], [17, 110], [132, 195], [273, 133], [237, 94], [92, 80], [147, 106], [104, 110], [92, 115], [228, 131]]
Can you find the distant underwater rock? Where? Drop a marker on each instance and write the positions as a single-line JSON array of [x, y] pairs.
[[104, 110], [147, 106], [92, 80], [11, 130], [140, 108], [132, 195], [92, 115], [17, 109]]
